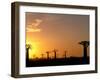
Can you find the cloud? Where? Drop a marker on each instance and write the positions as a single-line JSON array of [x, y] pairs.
[[36, 22], [34, 26], [33, 30]]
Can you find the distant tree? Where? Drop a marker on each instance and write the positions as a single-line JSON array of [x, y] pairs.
[[47, 54], [65, 52], [28, 46], [85, 44], [34, 56], [55, 53], [42, 55]]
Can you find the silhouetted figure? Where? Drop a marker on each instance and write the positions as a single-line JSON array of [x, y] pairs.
[[47, 54], [28, 46], [55, 53], [85, 44]]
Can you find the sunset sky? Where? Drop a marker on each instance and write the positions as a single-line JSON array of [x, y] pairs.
[[47, 31]]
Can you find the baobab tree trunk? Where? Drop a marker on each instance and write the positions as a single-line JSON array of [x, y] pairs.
[[27, 55], [42, 56], [47, 54], [85, 55], [85, 52], [65, 54], [55, 53]]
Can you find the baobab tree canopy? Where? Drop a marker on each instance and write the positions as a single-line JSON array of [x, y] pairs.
[[84, 43], [28, 46]]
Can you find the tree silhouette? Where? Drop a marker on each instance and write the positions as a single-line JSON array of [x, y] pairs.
[[65, 54], [85, 44], [28, 46], [42, 55], [47, 54], [34, 56], [55, 53]]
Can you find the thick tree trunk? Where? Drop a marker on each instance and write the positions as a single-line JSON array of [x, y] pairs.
[[27, 55], [85, 55], [85, 52]]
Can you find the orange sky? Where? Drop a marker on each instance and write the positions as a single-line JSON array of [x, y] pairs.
[[46, 32]]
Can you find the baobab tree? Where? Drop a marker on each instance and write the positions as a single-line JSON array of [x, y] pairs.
[[28, 46], [42, 55], [34, 56], [55, 53], [85, 44], [65, 54], [47, 54]]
